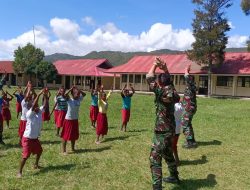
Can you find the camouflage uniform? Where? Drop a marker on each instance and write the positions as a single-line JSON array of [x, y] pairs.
[[190, 106], [163, 133]]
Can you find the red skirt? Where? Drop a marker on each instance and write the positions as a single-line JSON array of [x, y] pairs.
[[102, 124], [70, 130], [55, 115], [6, 114], [18, 107], [93, 113], [22, 126], [31, 146], [60, 118], [125, 116], [46, 116]]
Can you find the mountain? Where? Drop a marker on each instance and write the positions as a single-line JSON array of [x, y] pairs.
[[117, 57]]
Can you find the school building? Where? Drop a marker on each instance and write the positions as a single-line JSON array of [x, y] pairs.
[[232, 78]]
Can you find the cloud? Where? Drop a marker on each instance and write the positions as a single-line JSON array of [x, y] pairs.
[[107, 37], [231, 25], [89, 21], [237, 41]]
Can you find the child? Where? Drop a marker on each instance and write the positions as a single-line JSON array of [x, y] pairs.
[[26, 105], [94, 107], [61, 102], [46, 113], [126, 104], [70, 130], [56, 108], [102, 121], [6, 107], [19, 97], [30, 141], [1, 122], [178, 111]]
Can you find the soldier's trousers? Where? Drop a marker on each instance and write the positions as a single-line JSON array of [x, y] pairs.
[[186, 124], [161, 148]]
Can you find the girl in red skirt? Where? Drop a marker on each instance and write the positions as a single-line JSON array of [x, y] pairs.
[[30, 141], [102, 121], [46, 97], [126, 104], [70, 131], [61, 103], [6, 107], [19, 98], [94, 107]]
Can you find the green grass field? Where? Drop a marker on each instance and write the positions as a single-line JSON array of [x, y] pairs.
[[121, 162]]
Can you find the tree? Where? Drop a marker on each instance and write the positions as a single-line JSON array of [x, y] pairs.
[[245, 6], [27, 58], [46, 71], [248, 45], [209, 29]]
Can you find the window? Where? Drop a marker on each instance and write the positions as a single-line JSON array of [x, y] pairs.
[[243, 82], [225, 81], [58, 79], [176, 80], [87, 81], [203, 82], [78, 80], [144, 79], [130, 78], [124, 78], [137, 78]]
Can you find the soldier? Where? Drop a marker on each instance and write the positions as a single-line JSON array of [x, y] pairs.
[[190, 106], [164, 126]]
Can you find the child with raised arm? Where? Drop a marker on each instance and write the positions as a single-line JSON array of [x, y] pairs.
[[94, 107], [26, 105], [126, 104], [61, 103], [19, 98], [46, 113], [70, 130], [102, 120], [30, 141], [6, 107]]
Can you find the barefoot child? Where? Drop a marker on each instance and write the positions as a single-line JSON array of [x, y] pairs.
[[70, 130], [94, 107], [46, 113], [61, 103], [6, 107], [30, 141], [19, 97], [126, 104], [102, 121]]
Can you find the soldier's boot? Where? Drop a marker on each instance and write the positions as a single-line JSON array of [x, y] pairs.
[[190, 144], [157, 187], [1, 139], [172, 179]]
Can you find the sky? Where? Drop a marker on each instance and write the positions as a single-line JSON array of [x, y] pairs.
[[78, 27]]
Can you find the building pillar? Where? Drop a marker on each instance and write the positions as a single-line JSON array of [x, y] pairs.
[[120, 81], [95, 82], [127, 79], [84, 81], [234, 85], [178, 83], [114, 81]]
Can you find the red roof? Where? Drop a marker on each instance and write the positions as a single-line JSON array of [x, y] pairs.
[[83, 67], [235, 63], [6, 66]]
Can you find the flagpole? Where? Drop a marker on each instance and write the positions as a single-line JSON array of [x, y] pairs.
[[34, 35]]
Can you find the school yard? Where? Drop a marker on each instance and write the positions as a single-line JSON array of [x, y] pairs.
[[121, 162]]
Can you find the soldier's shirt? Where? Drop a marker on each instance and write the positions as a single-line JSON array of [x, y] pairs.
[[164, 104], [189, 98]]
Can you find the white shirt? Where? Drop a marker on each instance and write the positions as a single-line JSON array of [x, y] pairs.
[[25, 109], [178, 111], [73, 108], [34, 124]]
